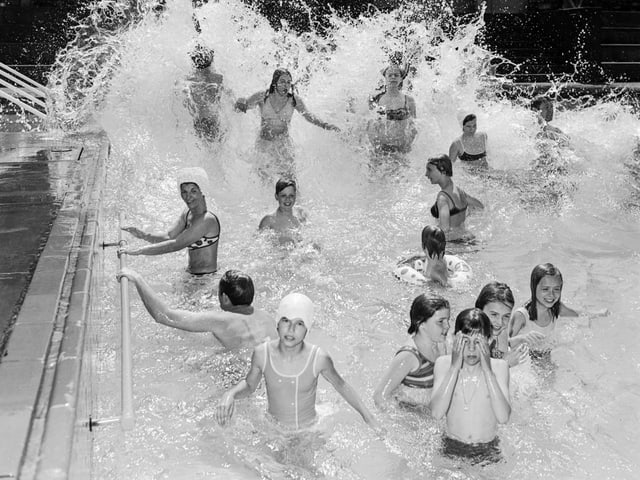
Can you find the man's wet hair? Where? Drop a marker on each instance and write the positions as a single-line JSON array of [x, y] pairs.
[[238, 286]]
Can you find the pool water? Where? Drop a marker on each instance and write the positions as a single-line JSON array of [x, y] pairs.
[[578, 208]]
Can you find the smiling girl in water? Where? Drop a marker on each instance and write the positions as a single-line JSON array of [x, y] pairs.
[[534, 323], [412, 365], [496, 301]]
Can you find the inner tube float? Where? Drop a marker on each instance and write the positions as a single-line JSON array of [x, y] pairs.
[[411, 271]]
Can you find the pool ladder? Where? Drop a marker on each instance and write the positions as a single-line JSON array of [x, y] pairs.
[[18, 88]]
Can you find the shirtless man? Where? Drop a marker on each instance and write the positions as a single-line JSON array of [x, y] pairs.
[[291, 368], [239, 324], [287, 219], [472, 390]]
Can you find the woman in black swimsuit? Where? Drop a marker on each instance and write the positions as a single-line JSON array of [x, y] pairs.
[[471, 146], [452, 202], [393, 131]]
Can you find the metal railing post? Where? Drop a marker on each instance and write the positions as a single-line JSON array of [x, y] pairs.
[[127, 420]]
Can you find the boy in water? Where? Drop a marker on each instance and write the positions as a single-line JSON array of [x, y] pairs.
[[291, 368], [287, 220], [472, 390], [239, 324]]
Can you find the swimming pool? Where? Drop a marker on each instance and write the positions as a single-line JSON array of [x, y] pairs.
[[576, 420]]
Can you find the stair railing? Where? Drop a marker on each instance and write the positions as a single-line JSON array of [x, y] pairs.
[[16, 86]]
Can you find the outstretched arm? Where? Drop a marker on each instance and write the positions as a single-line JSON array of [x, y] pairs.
[[185, 238], [246, 387], [243, 104], [156, 237], [311, 118], [163, 314], [328, 371]]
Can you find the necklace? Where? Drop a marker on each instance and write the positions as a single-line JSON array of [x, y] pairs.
[[474, 387]]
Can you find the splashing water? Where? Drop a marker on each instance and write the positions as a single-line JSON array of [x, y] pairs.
[[575, 206]]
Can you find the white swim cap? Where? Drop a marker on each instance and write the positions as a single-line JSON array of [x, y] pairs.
[[296, 306], [195, 175]]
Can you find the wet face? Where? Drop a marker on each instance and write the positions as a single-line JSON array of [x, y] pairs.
[[470, 127], [548, 291], [499, 314], [471, 352], [191, 194], [283, 85], [393, 76], [291, 331], [433, 174], [437, 326], [286, 197]]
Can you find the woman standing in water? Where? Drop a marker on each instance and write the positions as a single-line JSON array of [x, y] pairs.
[[452, 202], [394, 130], [471, 146], [196, 228], [276, 109]]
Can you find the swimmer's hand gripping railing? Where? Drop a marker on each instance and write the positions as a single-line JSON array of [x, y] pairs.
[[127, 418], [22, 86]]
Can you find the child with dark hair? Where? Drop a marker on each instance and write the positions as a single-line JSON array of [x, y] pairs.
[[472, 390], [412, 365], [239, 324], [287, 219], [496, 300], [544, 107], [434, 265]]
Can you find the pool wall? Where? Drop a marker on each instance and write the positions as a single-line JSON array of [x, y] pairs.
[[44, 405]]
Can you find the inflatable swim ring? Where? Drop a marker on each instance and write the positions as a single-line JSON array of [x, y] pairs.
[[411, 271]]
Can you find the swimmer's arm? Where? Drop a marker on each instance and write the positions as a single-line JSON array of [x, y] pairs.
[[156, 237], [445, 377], [185, 238], [401, 365], [473, 202], [515, 325], [243, 104], [329, 372], [444, 217], [244, 388], [411, 103], [497, 378], [454, 151], [302, 215], [267, 222], [163, 314], [311, 118], [566, 311]]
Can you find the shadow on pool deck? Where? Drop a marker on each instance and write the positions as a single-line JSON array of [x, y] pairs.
[[49, 196]]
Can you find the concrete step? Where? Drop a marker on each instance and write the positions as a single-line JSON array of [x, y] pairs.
[[620, 18], [620, 52], [620, 34], [622, 71]]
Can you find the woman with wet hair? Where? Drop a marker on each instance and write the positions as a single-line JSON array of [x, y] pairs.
[[277, 105], [393, 131]]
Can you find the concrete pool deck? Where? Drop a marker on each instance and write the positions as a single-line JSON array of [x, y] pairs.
[[50, 189]]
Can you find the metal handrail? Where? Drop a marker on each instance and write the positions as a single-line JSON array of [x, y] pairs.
[[23, 80], [23, 87], [127, 419], [127, 415]]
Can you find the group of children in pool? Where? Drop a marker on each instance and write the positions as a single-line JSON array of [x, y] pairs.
[[463, 377]]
